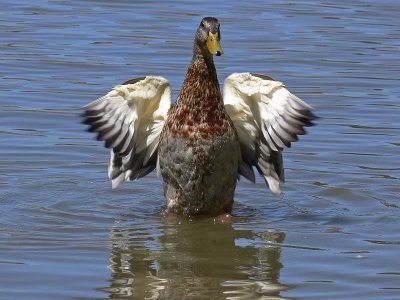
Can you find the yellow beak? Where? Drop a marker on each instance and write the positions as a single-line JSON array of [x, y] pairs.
[[213, 44]]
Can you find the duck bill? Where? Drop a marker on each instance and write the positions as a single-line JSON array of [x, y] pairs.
[[213, 44]]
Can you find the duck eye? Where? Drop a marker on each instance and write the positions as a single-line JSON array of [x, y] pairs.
[[202, 25]]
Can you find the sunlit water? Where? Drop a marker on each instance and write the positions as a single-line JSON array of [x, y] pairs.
[[333, 234]]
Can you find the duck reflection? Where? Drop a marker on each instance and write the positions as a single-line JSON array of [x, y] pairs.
[[182, 259]]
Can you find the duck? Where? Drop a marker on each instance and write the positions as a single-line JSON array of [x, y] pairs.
[[207, 140]]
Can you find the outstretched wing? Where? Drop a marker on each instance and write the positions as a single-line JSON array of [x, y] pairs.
[[267, 118], [130, 119]]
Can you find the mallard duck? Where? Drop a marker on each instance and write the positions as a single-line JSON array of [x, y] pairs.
[[201, 145]]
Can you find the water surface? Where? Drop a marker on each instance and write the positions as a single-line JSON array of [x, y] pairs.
[[334, 233]]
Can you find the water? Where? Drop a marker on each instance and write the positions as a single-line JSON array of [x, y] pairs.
[[333, 234]]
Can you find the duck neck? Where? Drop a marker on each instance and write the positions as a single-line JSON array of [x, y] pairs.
[[199, 99], [204, 61], [201, 84]]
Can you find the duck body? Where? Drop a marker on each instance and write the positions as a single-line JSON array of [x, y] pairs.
[[199, 150]]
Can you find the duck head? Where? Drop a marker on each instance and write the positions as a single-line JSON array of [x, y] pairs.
[[208, 37]]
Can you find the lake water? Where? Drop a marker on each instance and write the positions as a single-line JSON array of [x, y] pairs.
[[333, 234]]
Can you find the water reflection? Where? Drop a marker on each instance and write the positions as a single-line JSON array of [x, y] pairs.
[[193, 260]]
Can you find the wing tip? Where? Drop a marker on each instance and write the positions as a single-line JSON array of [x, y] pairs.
[[117, 181], [273, 184], [247, 172]]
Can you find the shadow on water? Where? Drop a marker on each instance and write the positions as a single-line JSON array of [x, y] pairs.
[[197, 259]]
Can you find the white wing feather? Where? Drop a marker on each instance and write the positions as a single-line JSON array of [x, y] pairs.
[[267, 118], [130, 119]]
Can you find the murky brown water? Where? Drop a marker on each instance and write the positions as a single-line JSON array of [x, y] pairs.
[[334, 233]]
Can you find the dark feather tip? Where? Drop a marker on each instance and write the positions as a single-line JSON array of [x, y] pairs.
[[86, 121], [314, 116]]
